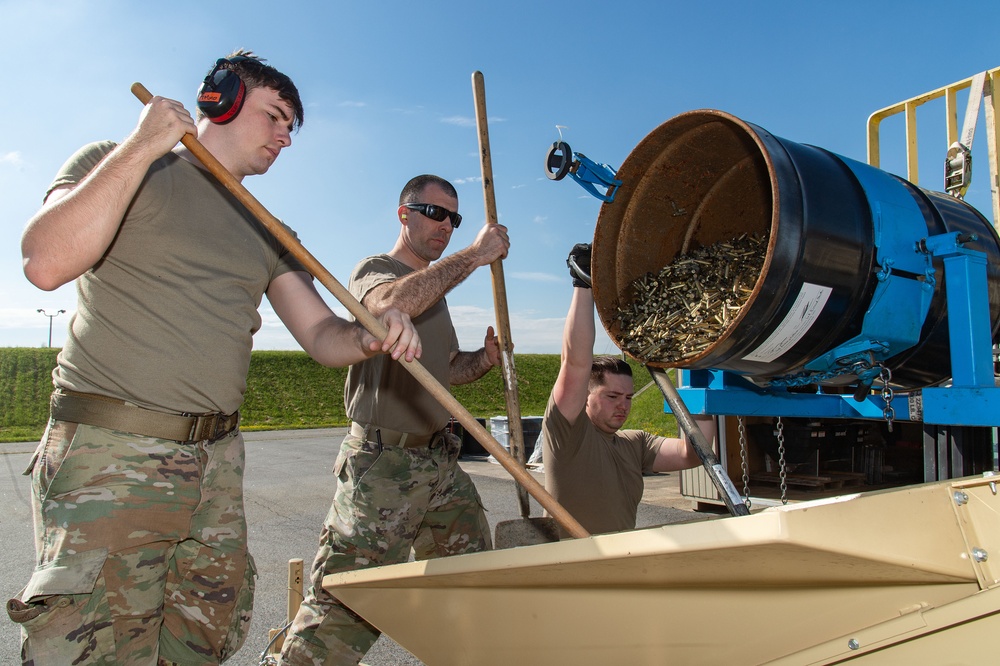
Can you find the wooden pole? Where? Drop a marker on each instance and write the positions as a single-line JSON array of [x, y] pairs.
[[514, 426]]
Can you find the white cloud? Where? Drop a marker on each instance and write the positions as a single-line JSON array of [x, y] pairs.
[[536, 277], [26, 327], [465, 121], [272, 333], [466, 181], [12, 158], [459, 121], [470, 323], [531, 334], [353, 104], [28, 318]]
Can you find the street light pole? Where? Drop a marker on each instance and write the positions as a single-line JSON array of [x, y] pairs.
[[51, 317]]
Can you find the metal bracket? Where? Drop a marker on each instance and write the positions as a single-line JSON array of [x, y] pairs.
[[957, 170], [958, 159], [560, 161]]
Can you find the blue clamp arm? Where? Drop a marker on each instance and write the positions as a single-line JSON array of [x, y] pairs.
[[561, 160]]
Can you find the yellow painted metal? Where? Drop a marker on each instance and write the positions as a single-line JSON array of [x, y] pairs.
[[790, 585], [949, 93], [992, 106], [955, 633]]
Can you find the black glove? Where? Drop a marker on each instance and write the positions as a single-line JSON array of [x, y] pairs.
[[579, 265]]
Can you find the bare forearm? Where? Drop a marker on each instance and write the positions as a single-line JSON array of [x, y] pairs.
[[73, 230], [467, 367], [678, 453], [579, 333], [329, 339], [336, 343], [415, 293]]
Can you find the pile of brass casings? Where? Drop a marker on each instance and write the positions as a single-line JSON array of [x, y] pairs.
[[679, 312]]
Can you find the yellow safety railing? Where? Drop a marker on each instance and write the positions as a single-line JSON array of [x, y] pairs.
[[949, 93]]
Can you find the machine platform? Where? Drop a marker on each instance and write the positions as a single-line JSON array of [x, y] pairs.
[[895, 576]]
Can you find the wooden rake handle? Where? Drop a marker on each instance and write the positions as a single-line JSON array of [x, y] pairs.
[[514, 427], [443, 396]]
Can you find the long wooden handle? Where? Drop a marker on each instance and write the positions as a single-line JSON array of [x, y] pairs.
[[373, 325], [514, 427]]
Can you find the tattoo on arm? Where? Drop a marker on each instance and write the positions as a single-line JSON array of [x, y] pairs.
[[416, 292]]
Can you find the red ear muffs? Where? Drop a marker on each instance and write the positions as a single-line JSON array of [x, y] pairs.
[[222, 94]]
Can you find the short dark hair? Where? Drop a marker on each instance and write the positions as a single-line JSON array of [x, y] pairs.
[[255, 74], [607, 365], [414, 189]]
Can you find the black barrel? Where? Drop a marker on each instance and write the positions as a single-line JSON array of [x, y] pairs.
[[707, 176]]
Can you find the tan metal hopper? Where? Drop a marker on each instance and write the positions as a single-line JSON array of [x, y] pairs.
[[896, 576]]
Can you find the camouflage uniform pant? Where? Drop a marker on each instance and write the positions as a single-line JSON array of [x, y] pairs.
[[388, 501], [141, 550]]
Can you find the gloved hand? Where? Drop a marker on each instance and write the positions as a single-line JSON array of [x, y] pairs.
[[579, 265]]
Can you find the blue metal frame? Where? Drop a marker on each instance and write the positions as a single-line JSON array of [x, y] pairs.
[[971, 400], [891, 324]]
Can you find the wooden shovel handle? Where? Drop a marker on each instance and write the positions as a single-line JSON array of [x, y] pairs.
[[514, 427], [373, 325]]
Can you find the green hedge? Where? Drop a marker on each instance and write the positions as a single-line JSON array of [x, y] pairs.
[[287, 389]]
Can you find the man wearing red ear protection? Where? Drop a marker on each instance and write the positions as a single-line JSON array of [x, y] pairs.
[[399, 486], [137, 483]]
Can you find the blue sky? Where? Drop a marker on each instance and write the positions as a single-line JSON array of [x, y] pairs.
[[387, 93]]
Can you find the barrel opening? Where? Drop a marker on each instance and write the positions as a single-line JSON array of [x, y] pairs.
[[694, 184]]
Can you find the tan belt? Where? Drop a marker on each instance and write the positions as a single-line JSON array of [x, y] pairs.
[[387, 437], [105, 412]]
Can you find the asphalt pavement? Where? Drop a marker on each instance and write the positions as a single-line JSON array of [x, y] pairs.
[[288, 489]]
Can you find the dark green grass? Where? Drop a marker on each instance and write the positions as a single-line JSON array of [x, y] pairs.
[[288, 390]]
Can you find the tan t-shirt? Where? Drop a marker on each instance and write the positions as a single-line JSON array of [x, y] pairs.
[[380, 391], [166, 318], [596, 477]]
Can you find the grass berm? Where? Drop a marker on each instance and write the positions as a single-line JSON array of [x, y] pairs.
[[288, 390]]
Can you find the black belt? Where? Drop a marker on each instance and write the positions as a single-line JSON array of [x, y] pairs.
[[388, 437], [114, 414]]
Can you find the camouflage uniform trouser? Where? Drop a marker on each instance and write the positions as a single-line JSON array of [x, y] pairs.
[[141, 550], [387, 502]]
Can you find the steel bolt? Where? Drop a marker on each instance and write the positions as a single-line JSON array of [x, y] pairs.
[[854, 644], [980, 555], [961, 497]]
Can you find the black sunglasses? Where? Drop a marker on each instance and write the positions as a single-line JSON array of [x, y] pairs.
[[436, 213]]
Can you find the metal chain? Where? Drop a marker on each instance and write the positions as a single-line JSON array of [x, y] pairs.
[[806, 378], [852, 365], [782, 472], [888, 413], [743, 460]]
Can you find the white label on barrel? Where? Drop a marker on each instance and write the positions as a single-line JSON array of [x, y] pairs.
[[805, 310]]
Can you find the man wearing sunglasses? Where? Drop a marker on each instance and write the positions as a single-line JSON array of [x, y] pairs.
[[399, 486]]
